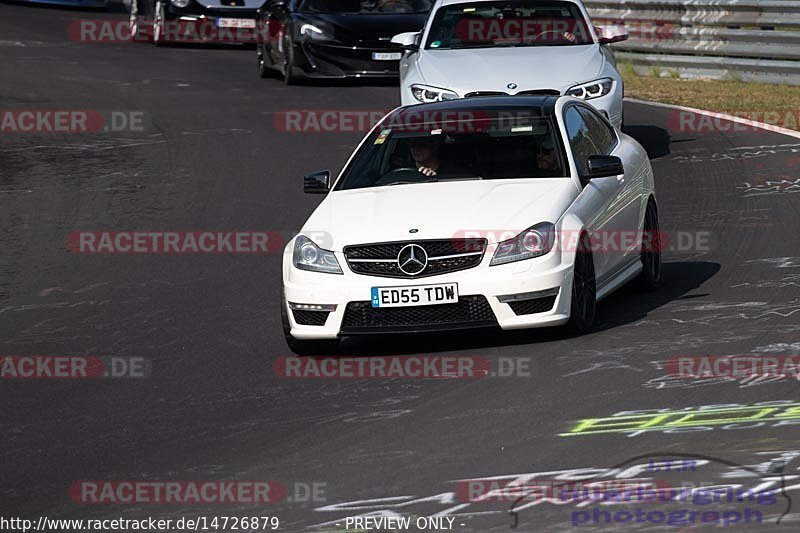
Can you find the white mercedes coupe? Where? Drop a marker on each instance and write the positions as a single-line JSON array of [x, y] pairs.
[[517, 212], [514, 47]]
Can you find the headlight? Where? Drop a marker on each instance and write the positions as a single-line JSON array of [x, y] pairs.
[[309, 256], [532, 242], [180, 3], [425, 94], [593, 89], [309, 30]]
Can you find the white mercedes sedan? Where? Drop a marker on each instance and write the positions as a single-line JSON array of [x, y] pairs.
[[514, 47], [517, 212]]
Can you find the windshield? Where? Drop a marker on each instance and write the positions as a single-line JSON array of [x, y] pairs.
[[419, 147], [505, 24], [366, 6]]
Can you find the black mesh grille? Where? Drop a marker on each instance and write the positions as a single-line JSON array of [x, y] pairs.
[[470, 311], [310, 318], [552, 92], [474, 94], [387, 252], [535, 305], [529, 92]]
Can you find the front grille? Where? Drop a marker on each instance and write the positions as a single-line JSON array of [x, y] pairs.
[[444, 256], [350, 59], [474, 94], [310, 318], [468, 312], [530, 92], [534, 305], [534, 92]]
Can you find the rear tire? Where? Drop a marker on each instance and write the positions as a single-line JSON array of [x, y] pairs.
[[584, 289], [650, 278]]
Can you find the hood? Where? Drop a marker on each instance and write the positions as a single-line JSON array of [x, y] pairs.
[[491, 69], [364, 28], [438, 210]]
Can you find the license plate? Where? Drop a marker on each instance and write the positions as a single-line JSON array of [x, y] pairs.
[[386, 56], [443, 293], [236, 23]]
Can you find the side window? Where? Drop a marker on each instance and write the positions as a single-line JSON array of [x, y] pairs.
[[579, 139], [600, 132]]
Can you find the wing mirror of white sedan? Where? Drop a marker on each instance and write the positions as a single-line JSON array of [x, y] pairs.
[[603, 166], [611, 34], [317, 183], [408, 40]]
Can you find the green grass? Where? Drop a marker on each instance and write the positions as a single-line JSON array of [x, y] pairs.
[[728, 96]]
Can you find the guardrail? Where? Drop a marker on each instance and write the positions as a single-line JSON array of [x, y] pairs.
[[751, 40]]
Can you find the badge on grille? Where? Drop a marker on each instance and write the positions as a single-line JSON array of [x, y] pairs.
[[412, 259]]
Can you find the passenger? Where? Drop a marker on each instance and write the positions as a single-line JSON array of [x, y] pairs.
[[546, 155]]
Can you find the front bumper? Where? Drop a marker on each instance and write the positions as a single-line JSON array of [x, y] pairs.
[[319, 59], [610, 105], [547, 275], [99, 4], [199, 24]]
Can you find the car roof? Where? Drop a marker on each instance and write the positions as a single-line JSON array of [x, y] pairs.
[[451, 2], [542, 105]]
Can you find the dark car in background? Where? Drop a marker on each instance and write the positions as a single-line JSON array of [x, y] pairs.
[[195, 21], [335, 38], [91, 4]]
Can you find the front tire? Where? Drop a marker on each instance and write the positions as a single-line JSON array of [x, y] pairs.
[[264, 70], [650, 278], [133, 19], [289, 77], [159, 18], [141, 21], [584, 289]]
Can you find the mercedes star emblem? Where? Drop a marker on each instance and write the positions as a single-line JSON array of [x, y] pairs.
[[412, 259]]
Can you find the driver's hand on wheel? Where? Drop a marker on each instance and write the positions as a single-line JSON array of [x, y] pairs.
[[427, 171]]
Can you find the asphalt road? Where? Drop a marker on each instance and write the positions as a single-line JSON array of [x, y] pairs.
[[211, 157]]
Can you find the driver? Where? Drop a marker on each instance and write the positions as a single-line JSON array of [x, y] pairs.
[[426, 156]]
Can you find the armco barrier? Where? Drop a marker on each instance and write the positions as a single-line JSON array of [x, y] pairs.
[[751, 40]]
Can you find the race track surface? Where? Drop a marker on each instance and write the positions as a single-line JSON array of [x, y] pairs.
[[214, 157]]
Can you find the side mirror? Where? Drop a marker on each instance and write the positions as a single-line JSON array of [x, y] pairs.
[[611, 34], [317, 183], [408, 40], [604, 166]]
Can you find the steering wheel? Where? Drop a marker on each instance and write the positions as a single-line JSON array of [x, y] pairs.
[[394, 173], [557, 32]]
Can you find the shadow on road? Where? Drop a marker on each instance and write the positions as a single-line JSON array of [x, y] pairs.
[[623, 307], [629, 305], [654, 139]]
